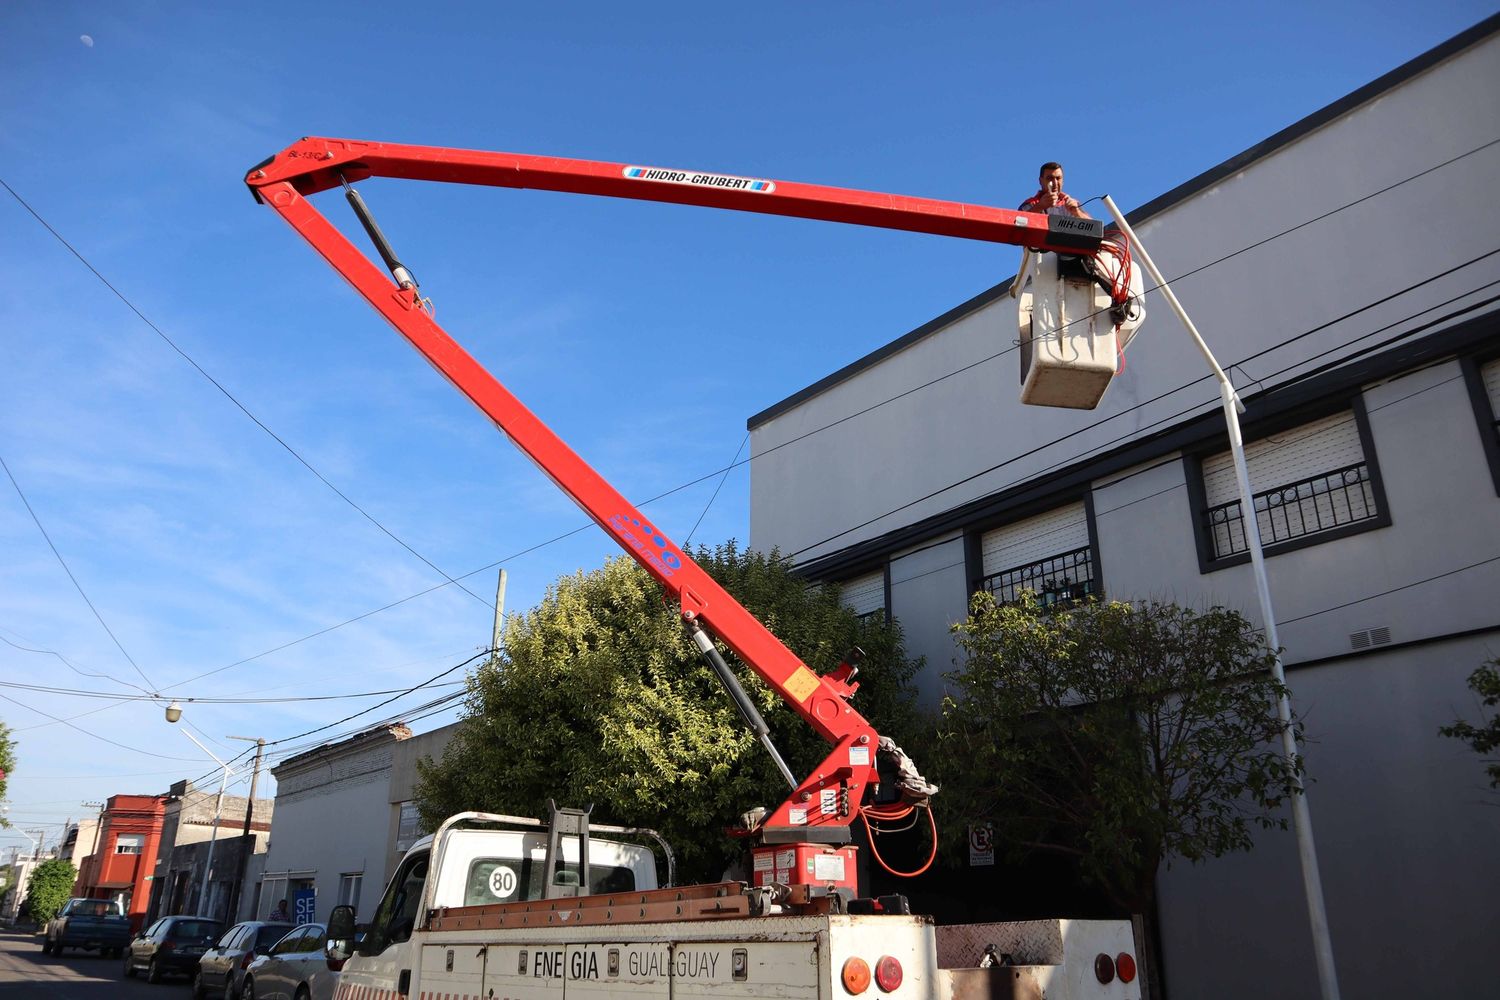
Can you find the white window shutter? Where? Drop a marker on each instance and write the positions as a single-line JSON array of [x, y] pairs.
[[1034, 539], [1491, 373], [1288, 457], [865, 593]]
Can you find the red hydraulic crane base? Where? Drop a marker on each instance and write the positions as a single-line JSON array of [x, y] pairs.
[[822, 806]]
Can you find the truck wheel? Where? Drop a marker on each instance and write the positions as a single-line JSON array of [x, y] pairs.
[[129, 969], [302, 993], [46, 946], [153, 971]]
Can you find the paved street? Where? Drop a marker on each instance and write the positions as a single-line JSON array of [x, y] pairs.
[[26, 973]]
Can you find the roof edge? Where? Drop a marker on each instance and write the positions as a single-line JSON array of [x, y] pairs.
[[1305, 126]]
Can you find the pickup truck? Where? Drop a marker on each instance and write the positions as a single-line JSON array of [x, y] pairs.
[[88, 924], [473, 912]]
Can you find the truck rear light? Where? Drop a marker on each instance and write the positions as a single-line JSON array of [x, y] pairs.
[[1125, 966], [856, 975], [1104, 969], [888, 974]]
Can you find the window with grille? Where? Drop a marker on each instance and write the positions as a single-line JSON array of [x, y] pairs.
[[865, 594], [1051, 554], [1313, 479]]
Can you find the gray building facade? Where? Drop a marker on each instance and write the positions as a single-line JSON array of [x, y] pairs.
[[328, 833], [1363, 332]]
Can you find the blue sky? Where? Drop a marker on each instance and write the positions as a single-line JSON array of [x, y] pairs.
[[644, 334]]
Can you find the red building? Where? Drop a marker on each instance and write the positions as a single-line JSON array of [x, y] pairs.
[[121, 866]]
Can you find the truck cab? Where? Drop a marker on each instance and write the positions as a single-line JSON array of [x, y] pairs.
[[88, 924], [466, 867]]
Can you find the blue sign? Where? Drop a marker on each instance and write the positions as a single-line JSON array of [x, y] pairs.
[[304, 906]]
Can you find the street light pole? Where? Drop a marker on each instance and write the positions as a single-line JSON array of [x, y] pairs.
[[1312, 883], [91, 860], [248, 847], [218, 812]]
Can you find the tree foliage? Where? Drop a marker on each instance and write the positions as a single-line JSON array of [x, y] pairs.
[[49, 887], [7, 765], [1122, 736], [1485, 737], [599, 697]]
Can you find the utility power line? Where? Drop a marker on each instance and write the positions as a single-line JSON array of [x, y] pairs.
[[725, 471]]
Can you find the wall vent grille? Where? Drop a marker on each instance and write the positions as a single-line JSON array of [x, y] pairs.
[[1370, 637]]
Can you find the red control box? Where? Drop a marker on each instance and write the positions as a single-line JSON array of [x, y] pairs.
[[806, 864]]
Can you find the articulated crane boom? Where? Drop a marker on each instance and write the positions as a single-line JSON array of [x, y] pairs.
[[823, 805]]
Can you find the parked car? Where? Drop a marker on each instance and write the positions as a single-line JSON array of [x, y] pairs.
[[296, 968], [221, 971], [172, 944], [88, 924]]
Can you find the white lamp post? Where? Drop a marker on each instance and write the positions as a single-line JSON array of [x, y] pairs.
[[218, 812], [1312, 883]]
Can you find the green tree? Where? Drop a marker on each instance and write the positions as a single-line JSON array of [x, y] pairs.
[[7, 765], [1485, 737], [1120, 736], [48, 889], [599, 697]]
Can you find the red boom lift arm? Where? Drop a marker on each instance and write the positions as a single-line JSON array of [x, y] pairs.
[[823, 805]]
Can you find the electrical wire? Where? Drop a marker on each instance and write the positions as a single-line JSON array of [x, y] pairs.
[[1120, 413], [735, 464], [64, 563], [1393, 590], [1199, 406], [689, 540], [868, 811], [96, 736], [120, 697], [66, 662], [241, 406], [1174, 460]]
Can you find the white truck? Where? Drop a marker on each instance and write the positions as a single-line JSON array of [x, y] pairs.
[[471, 913]]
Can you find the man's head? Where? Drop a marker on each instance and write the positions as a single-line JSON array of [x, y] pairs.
[[1050, 177]]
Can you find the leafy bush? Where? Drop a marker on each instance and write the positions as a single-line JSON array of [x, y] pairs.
[[50, 887], [599, 697], [1119, 735]]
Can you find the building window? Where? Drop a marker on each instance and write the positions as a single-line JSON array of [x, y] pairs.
[[129, 843], [1310, 483], [865, 594], [1483, 378], [1050, 554], [408, 827], [272, 891], [349, 884]]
